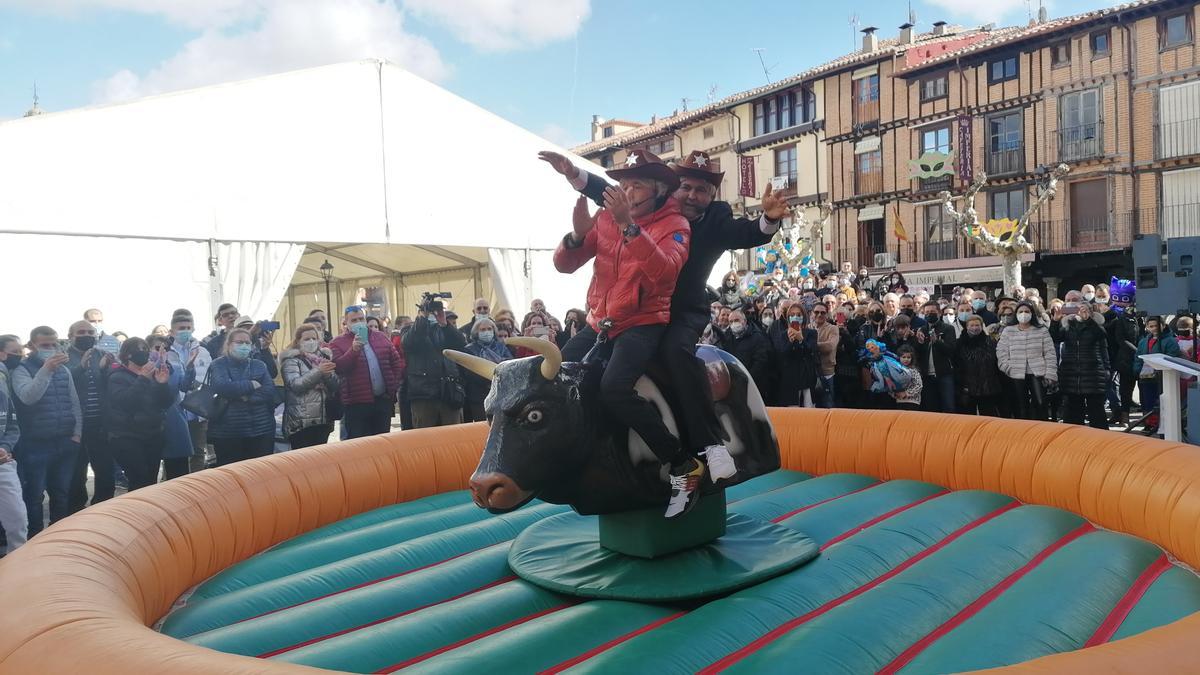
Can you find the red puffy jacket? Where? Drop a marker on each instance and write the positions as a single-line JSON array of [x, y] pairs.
[[632, 282], [356, 374]]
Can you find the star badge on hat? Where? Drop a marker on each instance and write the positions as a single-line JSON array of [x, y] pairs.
[[632, 159], [645, 164], [697, 165]]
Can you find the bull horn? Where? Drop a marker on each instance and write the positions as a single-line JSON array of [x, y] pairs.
[[481, 367], [551, 357]]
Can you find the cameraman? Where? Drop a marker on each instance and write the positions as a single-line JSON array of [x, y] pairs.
[[371, 372], [434, 387]]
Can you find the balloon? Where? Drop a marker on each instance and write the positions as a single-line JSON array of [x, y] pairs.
[[803, 271]]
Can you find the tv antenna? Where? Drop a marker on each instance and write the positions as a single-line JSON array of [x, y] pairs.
[[854, 24], [712, 94], [683, 103], [766, 70], [912, 14]]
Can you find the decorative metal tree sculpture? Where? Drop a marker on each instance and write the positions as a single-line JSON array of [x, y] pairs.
[[792, 242], [1000, 238]]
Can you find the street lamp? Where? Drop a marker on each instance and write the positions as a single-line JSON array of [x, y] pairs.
[[327, 274]]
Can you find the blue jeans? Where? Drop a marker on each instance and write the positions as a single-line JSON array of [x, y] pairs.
[[46, 465], [828, 397]]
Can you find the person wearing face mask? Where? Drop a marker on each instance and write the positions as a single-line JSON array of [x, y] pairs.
[[908, 307], [729, 295], [435, 387], [828, 338], [247, 427], [486, 345], [139, 395], [747, 343], [89, 368], [371, 370], [1088, 293], [875, 327], [977, 372], [1083, 370], [1158, 339], [311, 398], [1027, 358], [51, 426], [184, 352], [979, 307], [1124, 333], [935, 355], [950, 318], [177, 448], [480, 310], [795, 345]]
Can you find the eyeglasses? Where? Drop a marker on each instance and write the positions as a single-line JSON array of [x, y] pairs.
[[817, 312], [160, 348], [229, 315]]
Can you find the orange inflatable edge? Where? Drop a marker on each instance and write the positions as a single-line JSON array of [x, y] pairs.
[[81, 595]]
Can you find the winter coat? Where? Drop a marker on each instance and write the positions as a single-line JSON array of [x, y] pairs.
[[46, 402], [137, 406], [251, 412], [178, 357], [1020, 352], [828, 337], [913, 390], [1084, 356], [1165, 344], [10, 429], [475, 386], [306, 391], [354, 372], [91, 382], [869, 331], [178, 439], [797, 363], [941, 350], [632, 282], [432, 376], [753, 349], [1122, 330], [731, 297], [976, 370]]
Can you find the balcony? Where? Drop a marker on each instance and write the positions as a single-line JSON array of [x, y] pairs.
[[1177, 139], [940, 250], [868, 182], [1182, 220], [1111, 232], [1080, 142], [1002, 162]]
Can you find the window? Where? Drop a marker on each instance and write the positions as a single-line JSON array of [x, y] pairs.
[[1060, 54], [784, 110], [606, 161], [933, 88], [708, 132], [1079, 130], [785, 164], [1174, 31], [1100, 43], [866, 99], [1003, 70], [1005, 153], [939, 234], [868, 174], [608, 132], [662, 147], [1007, 204], [935, 140]]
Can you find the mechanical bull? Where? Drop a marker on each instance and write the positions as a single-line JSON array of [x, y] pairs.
[[552, 439]]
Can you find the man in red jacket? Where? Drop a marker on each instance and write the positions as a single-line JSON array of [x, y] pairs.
[[640, 241], [371, 372]]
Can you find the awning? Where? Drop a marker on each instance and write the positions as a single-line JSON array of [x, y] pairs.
[[969, 275]]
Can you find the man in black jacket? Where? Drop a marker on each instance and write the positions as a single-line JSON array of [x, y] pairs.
[[434, 388], [936, 356], [714, 231]]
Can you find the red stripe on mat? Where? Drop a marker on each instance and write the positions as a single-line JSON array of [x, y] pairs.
[[364, 584], [787, 626], [982, 601], [479, 636], [1121, 611], [814, 505], [879, 519], [610, 644], [385, 619]]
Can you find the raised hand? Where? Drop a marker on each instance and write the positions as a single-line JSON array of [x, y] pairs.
[[581, 220], [617, 203], [774, 206], [561, 164], [327, 367]]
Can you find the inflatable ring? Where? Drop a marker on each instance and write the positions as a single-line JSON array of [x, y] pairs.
[[83, 594]]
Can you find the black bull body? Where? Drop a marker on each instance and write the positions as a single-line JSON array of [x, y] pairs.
[[551, 438]]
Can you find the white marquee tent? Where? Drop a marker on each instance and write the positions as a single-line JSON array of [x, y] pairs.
[[240, 192]]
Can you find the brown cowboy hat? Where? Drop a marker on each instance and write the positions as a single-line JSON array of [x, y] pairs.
[[698, 165], [645, 164]]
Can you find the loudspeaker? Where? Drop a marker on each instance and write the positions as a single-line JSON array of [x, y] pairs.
[[1164, 289]]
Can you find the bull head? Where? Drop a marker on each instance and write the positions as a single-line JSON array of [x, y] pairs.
[[535, 438]]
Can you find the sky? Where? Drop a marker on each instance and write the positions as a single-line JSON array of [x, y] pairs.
[[547, 65]]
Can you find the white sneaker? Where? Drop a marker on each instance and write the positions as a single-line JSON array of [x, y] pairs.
[[720, 462], [685, 489]]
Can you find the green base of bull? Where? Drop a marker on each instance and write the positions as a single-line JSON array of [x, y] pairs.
[[646, 534]]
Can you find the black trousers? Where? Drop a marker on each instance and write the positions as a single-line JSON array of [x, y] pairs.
[[405, 408], [1126, 383], [1024, 401], [139, 459], [230, 450], [369, 419], [979, 405], [628, 355], [318, 434], [176, 467], [1075, 405], [94, 450]]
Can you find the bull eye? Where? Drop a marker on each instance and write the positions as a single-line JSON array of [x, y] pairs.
[[534, 416]]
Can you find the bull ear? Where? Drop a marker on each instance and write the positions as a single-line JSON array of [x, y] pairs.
[[551, 357], [481, 367]]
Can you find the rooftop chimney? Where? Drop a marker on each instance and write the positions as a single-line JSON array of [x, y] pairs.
[[939, 27], [907, 36], [870, 39], [597, 127]]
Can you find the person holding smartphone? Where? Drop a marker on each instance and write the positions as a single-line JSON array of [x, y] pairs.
[[139, 396], [796, 347]]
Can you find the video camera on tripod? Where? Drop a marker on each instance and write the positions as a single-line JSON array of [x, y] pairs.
[[432, 302]]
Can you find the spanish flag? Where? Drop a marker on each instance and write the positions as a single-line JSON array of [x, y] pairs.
[[900, 232]]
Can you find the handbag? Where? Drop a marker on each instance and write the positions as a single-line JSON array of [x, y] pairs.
[[204, 402]]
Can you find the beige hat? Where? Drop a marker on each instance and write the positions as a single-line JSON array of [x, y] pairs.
[[243, 321]]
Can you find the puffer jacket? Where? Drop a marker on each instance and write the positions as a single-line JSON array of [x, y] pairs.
[[306, 390], [356, 374], [137, 406], [251, 412], [46, 402], [753, 349], [10, 430], [1021, 352], [976, 371], [632, 282], [1084, 366], [432, 376]]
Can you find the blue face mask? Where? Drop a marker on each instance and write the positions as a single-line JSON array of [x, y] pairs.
[[241, 351], [978, 304], [44, 354], [184, 336], [486, 336], [963, 316]]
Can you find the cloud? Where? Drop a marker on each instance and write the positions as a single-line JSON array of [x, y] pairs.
[[284, 35], [189, 13], [503, 25], [557, 135]]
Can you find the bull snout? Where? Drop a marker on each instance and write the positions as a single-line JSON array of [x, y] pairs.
[[497, 492]]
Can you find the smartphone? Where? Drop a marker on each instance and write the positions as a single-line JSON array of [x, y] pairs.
[[109, 344], [1070, 311], [540, 331]]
